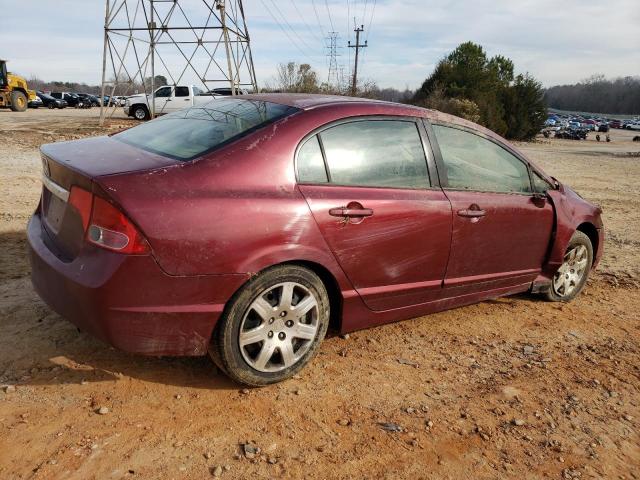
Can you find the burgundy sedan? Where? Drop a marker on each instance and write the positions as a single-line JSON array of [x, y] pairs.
[[247, 226]]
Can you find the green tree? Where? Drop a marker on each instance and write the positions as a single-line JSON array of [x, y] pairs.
[[525, 108], [482, 86]]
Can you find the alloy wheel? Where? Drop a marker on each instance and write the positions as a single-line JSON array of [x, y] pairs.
[[279, 327], [571, 272]]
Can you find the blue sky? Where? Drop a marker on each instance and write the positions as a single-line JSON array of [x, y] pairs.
[[558, 41]]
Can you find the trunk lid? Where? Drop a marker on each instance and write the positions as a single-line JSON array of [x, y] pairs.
[[98, 156], [79, 163]]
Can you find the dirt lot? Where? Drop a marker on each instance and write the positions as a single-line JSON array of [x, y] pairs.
[[515, 387]]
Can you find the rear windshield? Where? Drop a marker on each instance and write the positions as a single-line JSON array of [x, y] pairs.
[[192, 132]]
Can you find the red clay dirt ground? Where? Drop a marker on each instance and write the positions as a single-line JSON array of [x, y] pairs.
[[515, 387]]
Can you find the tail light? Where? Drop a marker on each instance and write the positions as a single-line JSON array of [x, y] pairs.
[[105, 225]]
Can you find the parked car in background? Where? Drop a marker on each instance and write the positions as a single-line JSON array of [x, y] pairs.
[[110, 101], [167, 99], [615, 124], [51, 102], [226, 91], [243, 226], [72, 99], [633, 126], [92, 100], [35, 103]]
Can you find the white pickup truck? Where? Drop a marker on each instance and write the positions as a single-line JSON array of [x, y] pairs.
[[167, 99]]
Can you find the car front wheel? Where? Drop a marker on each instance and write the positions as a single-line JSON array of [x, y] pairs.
[[141, 113], [272, 327], [572, 275]]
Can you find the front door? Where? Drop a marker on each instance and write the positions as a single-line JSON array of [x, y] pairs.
[[501, 228], [371, 196], [163, 100]]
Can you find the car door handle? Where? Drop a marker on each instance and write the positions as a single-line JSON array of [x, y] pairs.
[[471, 213], [350, 212]]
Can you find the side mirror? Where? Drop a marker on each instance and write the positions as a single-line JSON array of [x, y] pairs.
[[539, 199]]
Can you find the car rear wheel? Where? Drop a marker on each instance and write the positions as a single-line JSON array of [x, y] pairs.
[[272, 327], [572, 275]]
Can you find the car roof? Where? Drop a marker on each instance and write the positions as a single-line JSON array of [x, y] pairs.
[[308, 101], [368, 106]]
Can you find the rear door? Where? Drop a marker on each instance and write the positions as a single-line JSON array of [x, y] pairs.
[[181, 98], [367, 183], [501, 228]]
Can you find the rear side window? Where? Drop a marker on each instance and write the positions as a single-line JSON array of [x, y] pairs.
[[310, 162], [376, 153], [475, 163], [189, 133], [182, 91]]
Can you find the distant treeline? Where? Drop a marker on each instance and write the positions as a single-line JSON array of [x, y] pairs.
[[35, 83], [598, 95], [41, 85]]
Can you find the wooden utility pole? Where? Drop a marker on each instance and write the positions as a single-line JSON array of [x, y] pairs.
[[357, 46]]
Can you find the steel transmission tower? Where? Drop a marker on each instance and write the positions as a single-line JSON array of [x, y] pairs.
[[200, 42], [334, 75]]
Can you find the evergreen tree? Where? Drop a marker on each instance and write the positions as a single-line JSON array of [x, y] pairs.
[[509, 106]]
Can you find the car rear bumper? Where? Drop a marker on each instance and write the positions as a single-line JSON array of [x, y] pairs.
[[128, 301]]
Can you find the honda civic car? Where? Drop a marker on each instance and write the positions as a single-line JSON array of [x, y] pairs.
[[246, 227]]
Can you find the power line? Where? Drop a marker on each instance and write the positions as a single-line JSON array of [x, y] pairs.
[[326, 3], [304, 21], [373, 11], [364, 15], [294, 43], [315, 10], [288, 25]]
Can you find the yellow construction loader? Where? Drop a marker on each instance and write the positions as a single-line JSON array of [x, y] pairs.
[[13, 90]]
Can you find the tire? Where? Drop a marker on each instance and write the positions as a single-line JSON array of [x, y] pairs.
[[18, 101], [277, 343], [572, 275], [140, 112]]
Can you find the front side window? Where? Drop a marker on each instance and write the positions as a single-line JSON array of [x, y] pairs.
[[163, 92], [192, 132], [540, 185], [182, 91], [376, 153], [475, 163]]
